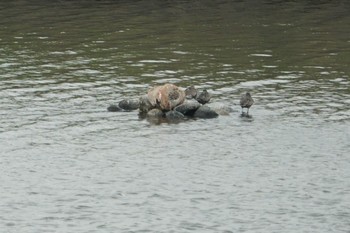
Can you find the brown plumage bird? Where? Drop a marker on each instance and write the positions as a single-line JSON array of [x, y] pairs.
[[246, 102], [191, 92]]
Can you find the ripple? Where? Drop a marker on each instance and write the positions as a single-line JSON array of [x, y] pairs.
[[8, 64], [87, 71], [252, 84], [260, 55], [155, 61], [67, 52]]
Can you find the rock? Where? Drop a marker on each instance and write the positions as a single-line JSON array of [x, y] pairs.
[[153, 95], [155, 113], [221, 108], [145, 105], [114, 108], [191, 92], [204, 97], [205, 112], [129, 105], [174, 115], [166, 97], [188, 108]]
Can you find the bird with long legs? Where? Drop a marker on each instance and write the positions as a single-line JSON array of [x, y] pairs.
[[246, 102]]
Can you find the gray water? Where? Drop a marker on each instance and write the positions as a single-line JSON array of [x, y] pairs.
[[68, 165]]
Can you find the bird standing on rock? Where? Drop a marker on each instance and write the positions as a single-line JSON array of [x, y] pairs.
[[246, 102], [191, 92], [204, 97]]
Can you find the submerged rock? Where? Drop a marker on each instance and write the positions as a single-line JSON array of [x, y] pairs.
[[221, 108], [188, 108], [174, 115], [114, 108], [155, 113], [129, 105], [205, 112]]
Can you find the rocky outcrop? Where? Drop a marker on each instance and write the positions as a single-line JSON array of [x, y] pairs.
[[168, 102], [155, 113]]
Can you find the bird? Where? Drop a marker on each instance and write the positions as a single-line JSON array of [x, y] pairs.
[[191, 92], [204, 97], [246, 102]]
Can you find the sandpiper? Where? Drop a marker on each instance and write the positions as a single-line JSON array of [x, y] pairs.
[[204, 97], [246, 102]]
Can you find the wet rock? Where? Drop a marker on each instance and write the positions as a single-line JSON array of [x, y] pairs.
[[188, 108], [174, 115], [204, 97], [114, 108], [221, 108], [155, 113], [129, 105], [153, 96], [205, 112], [191, 92], [166, 97], [145, 104]]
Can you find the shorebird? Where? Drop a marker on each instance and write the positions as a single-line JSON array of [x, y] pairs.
[[246, 102], [204, 97], [191, 92]]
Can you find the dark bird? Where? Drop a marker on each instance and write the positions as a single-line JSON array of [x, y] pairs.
[[191, 92], [204, 97], [246, 101]]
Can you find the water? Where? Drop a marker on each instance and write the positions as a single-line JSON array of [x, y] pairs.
[[68, 165]]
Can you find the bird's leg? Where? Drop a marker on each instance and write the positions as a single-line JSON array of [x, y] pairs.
[[247, 111]]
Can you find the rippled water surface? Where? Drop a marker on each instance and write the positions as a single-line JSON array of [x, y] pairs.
[[68, 165]]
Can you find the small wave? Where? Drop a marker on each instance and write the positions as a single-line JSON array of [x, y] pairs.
[[155, 61], [67, 52], [5, 65], [88, 71], [260, 55], [262, 82]]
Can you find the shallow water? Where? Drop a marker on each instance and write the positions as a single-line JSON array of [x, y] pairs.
[[68, 165]]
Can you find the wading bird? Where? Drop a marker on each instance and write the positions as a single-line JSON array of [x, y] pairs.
[[246, 102]]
